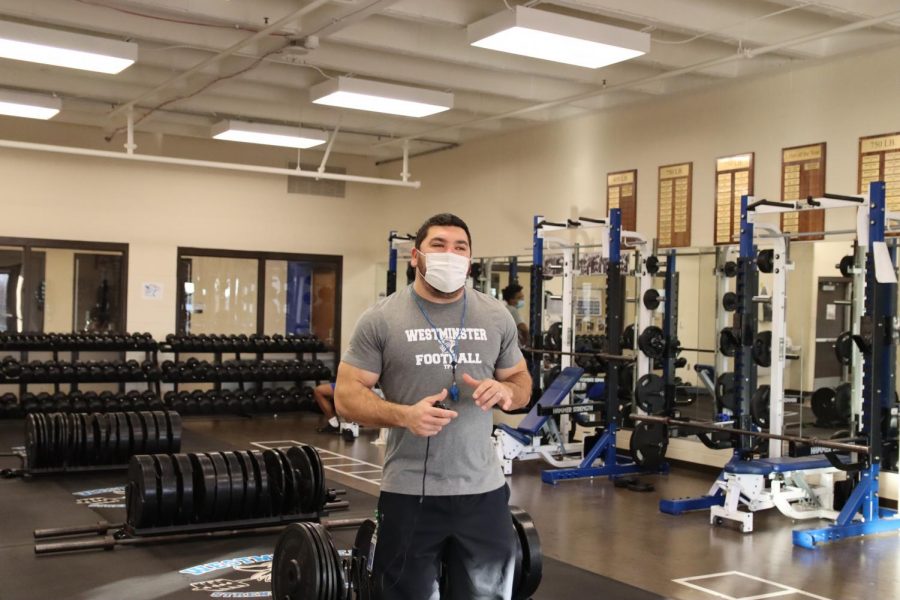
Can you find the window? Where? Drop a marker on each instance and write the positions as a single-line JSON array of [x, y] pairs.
[[237, 292], [61, 286]]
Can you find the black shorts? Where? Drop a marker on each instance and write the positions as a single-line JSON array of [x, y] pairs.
[[463, 546]]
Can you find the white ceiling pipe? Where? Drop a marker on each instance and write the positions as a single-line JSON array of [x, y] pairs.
[[262, 33], [205, 164], [667, 75]]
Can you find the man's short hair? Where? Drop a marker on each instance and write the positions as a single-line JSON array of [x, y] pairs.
[[510, 291], [441, 220]]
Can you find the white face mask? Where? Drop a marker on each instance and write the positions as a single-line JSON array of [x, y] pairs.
[[445, 271]]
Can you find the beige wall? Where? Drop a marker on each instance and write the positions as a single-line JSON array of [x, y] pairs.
[[156, 208], [499, 183]]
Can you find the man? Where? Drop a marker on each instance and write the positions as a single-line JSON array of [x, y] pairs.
[[443, 495], [323, 394], [515, 301]]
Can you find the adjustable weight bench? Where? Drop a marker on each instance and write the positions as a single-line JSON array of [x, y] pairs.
[[523, 442], [744, 483]]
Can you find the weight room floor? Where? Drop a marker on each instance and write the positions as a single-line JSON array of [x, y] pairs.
[[586, 526]]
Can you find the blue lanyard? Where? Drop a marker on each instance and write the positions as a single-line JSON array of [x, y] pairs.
[[454, 353]]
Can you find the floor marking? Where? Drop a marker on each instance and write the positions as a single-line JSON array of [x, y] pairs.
[[785, 591], [327, 456]]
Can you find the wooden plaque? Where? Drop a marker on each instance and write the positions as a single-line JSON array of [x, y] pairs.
[[802, 176], [673, 216], [621, 192], [879, 160], [734, 178]]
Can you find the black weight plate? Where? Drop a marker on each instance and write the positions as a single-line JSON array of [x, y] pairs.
[[824, 405], [222, 487], [184, 474], [236, 477], [846, 266], [101, 438], [331, 561], [162, 430], [71, 439], [112, 439], [40, 440], [63, 437], [275, 470], [168, 489], [324, 564], [124, 439], [842, 404], [290, 505], [204, 487], [142, 500], [648, 445], [251, 493], [151, 441], [307, 489], [174, 431], [532, 556], [765, 260], [136, 431], [319, 471], [762, 349], [362, 547], [50, 425], [729, 342], [650, 394], [297, 565], [89, 450], [32, 441], [264, 499], [726, 390], [652, 342], [759, 406], [730, 301], [843, 348]]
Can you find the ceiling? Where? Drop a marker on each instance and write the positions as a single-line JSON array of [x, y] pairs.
[[204, 60]]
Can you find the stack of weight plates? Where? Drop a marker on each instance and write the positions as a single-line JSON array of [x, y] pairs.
[[219, 487], [64, 440]]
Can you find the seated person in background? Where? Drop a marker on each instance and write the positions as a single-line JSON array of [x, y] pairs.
[[324, 396], [514, 299]]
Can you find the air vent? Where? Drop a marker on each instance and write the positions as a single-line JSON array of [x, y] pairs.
[[313, 187]]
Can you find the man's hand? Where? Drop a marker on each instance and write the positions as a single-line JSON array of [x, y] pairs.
[[424, 419], [489, 392]]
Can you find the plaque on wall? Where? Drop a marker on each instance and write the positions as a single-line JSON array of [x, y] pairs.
[[621, 192], [734, 178], [673, 218], [879, 160], [803, 176]]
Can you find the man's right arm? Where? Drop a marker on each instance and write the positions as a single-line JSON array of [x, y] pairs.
[[354, 400]]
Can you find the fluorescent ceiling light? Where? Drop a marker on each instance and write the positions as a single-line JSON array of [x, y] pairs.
[[30, 106], [375, 96], [65, 49], [271, 135], [550, 36]]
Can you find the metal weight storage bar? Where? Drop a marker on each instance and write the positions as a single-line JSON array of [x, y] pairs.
[[188, 496]]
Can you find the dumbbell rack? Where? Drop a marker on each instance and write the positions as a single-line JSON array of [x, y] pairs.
[[258, 346], [76, 345]]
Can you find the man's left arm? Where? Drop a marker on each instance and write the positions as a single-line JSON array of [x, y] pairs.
[[510, 389]]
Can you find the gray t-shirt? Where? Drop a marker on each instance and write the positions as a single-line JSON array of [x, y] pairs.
[[517, 318], [394, 340]]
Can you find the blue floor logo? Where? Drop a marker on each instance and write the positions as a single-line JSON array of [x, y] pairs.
[[243, 577], [110, 497]]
